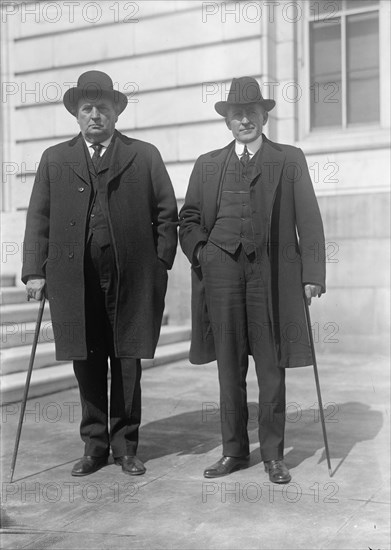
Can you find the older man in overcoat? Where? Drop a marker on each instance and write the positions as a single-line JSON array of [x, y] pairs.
[[101, 233], [252, 230]]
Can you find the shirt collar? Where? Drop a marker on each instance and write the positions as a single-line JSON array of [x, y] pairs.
[[104, 144], [252, 147]]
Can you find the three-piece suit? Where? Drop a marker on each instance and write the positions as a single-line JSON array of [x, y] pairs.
[[262, 240], [103, 237]]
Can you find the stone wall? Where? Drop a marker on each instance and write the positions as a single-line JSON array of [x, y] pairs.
[[175, 59]]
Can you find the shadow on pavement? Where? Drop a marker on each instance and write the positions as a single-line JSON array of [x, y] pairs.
[[346, 425], [196, 432]]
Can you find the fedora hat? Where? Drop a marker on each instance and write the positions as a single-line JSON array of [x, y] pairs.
[[244, 90], [92, 86]]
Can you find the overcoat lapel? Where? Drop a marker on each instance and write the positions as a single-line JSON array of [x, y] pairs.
[[115, 163], [120, 158], [270, 163], [75, 158], [212, 178]]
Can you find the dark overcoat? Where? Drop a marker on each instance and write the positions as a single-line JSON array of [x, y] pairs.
[[142, 219], [289, 243]]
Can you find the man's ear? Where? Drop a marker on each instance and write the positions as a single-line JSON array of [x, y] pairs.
[[265, 117], [228, 123]]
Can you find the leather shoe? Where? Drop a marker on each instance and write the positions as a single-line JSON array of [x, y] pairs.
[[131, 465], [88, 465], [278, 472], [226, 465]]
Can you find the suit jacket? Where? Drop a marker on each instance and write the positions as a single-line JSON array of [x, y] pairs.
[[142, 217], [289, 239]]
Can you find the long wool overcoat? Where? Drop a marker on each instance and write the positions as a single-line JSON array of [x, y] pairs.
[[143, 225], [289, 237]]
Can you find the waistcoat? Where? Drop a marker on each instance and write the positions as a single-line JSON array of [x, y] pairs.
[[234, 224], [97, 223]]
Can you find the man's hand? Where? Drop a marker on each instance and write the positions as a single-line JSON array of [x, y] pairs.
[[311, 291], [34, 287]]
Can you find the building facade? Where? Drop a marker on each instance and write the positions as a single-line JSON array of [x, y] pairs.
[[327, 65]]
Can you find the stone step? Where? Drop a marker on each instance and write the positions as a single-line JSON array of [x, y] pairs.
[[12, 295], [61, 377], [22, 334], [16, 359], [43, 381], [16, 296], [28, 311], [169, 353], [18, 313], [170, 334], [7, 280]]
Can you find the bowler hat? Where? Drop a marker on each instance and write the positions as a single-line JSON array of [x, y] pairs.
[[92, 86], [244, 90]]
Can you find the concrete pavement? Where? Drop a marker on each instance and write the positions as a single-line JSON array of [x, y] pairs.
[[172, 506]]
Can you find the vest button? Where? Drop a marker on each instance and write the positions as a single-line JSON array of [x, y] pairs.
[[92, 215], [70, 255], [72, 223], [81, 189]]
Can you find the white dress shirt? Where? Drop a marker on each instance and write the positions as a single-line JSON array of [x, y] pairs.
[[252, 147], [104, 144]]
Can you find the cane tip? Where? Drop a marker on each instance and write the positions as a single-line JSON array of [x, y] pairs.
[[330, 472]]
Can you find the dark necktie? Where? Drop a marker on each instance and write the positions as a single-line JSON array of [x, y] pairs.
[[97, 147], [245, 156]]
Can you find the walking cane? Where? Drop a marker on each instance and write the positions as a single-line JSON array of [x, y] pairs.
[[27, 385], [326, 446]]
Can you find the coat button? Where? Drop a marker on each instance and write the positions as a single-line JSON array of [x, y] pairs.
[[81, 189], [72, 223], [70, 255]]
